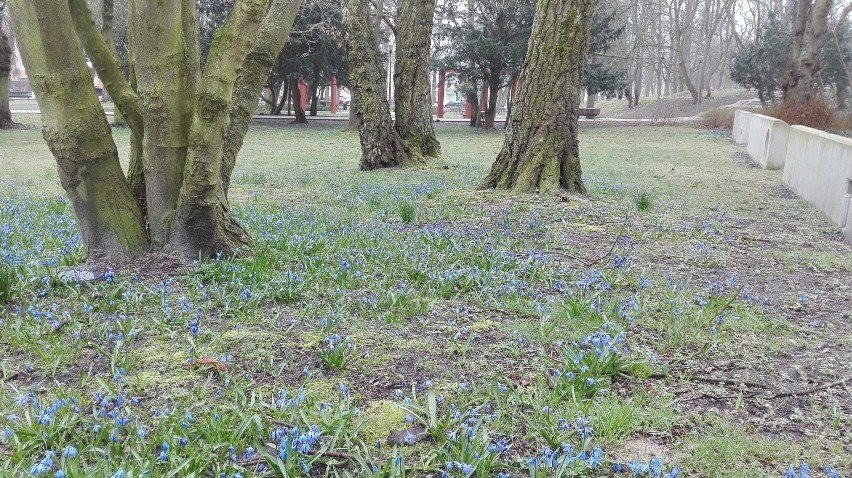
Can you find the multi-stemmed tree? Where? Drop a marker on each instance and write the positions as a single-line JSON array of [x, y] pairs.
[[411, 139], [187, 126]]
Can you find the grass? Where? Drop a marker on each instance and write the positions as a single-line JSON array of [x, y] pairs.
[[376, 302]]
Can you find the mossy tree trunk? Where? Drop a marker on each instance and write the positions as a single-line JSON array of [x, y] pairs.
[[5, 70], [412, 91], [540, 152], [381, 145], [77, 132], [186, 127]]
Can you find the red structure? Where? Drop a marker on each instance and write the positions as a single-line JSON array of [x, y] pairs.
[[442, 80], [333, 95], [467, 107]]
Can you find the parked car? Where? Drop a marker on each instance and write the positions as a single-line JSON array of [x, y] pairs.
[[455, 106]]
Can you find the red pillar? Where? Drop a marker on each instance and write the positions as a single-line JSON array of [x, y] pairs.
[[442, 78], [467, 106], [514, 89], [483, 102], [303, 91], [333, 95]]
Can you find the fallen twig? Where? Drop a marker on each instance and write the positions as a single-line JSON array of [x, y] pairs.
[[706, 379], [331, 454], [595, 261], [808, 391]]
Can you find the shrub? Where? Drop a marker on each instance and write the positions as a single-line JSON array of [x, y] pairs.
[[816, 113], [718, 118]]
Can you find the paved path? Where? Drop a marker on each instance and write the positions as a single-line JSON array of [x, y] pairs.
[[499, 120]]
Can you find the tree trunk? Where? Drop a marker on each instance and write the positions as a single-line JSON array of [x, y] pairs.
[[540, 152], [682, 43], [313, 87], [637, 80], [412, 92], [77, 132], [5, 70], [381, 145], [493, 90], [296, 93], [473, 99], [108, 33], [808, 35], [183, 123], [204, 225], [353, 109]]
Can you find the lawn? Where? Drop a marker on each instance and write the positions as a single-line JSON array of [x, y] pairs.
[[687, 313]]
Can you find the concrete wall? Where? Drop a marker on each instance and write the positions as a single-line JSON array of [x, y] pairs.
[[742, 120], [819, 169], [847, 231], [767, 141]]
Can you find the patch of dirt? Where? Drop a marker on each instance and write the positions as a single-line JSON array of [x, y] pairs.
[[743, 159]]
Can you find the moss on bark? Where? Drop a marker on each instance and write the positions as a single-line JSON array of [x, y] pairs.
[[78, 134], [381, 145], [412, 92], [540, 152]]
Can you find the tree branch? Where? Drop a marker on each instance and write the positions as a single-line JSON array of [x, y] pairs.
[[106, 65]]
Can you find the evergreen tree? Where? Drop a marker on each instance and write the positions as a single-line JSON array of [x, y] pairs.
[[602, 75], [761, 64], [486, 41]]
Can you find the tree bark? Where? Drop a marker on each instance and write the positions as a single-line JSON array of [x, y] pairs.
[[808, 36], [473, 99], [540, 152], [298, 111], [381, 145], [77, 132], [204, 224], [185, 125], [5, 70], [108, 33], [412, 92], [493, 91], [681, 29]]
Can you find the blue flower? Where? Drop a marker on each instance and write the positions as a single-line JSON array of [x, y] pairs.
[[38, 469], [595, 457], [69, 452], [119, 474], [656, 466], [59, 474]]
